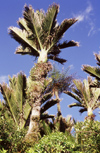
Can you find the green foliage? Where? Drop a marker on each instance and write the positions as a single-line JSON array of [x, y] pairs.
[[87, 96], [10, 138], [3, 151], [61, 80], [16, 99], [88, 135], [39, 34], [56, 143], [93, 71]]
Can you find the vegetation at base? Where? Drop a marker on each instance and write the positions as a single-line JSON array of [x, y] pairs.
[[25, 125], [87, 134], [55, 143]]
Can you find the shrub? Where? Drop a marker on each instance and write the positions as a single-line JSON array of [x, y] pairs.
[[88, 136], [56, 142], [10, 138]]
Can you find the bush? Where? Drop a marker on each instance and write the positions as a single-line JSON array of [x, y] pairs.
[[88, 136], [56, 142], [10, 138]]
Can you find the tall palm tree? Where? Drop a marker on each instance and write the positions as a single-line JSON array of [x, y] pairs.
[[87, 97], [16, 99], [39, 34]]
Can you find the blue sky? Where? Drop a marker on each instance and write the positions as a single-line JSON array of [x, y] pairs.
[[86, 31]]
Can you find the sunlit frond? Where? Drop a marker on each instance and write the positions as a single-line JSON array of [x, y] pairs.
[[93, 71]]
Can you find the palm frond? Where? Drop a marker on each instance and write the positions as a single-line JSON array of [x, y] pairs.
[[9, 98], [46, 97], [16, 99], [73, 96], [82, 110], [33, 23], [48, 104], [21, 36], [97, 56], [50, 21], [27, 50], [57, 59], [60, 30], [93, 71], [66, 44], [75, 104], [22, 24]]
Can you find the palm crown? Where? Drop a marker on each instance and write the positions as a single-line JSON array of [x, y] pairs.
[[86, 95], [39, 34]]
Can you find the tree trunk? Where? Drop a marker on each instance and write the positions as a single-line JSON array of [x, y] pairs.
[[42, 56], [35, 91], [33, 131]]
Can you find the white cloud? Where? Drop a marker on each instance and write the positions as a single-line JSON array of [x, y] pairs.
[[84, 15], [87, 16], [3, 78]]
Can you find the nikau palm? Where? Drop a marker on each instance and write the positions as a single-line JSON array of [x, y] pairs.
[[88, 97], [16, 99], [39, 35]]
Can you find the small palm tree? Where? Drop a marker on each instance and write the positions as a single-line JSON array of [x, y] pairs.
[[60, 81], [88, 97], [16, 99], [39, 34]]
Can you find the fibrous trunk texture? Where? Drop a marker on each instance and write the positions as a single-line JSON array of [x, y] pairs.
[[36, 89]]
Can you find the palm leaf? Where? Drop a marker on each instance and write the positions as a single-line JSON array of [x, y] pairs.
[[97, 56], [57, 59], [33, 23], [22, 24], [93, 71], [66, 44], [9, 98], [48, 104], [60, 30], [73, 96], [49, 21], [82, 110], [22, 37], [75, 104]]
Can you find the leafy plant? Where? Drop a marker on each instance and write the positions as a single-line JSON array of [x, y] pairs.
[[88, 136], [16, 99], [87, 96], [56, 142]]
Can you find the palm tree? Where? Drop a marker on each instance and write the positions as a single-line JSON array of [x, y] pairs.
[[39, 34], [60, 81], [16, 99], [87, 97]]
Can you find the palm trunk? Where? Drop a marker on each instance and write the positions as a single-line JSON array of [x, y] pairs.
[[33, 131], [59, 109], [90, 116], [90, 112], [42, 56], [36, 89]]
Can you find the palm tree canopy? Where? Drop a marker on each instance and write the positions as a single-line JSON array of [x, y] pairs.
[[60, 80], [15, 99], [87, 97], [39, 33]]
